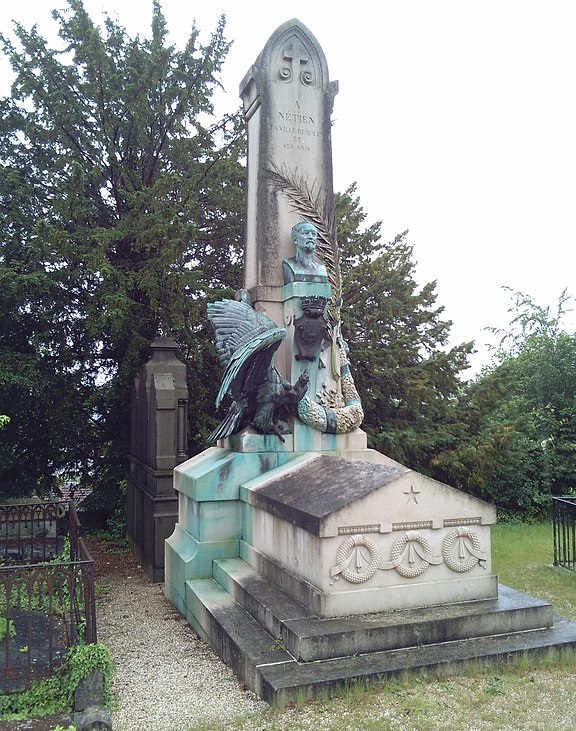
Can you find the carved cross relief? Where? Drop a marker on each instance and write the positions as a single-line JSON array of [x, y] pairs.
[[296, 63]]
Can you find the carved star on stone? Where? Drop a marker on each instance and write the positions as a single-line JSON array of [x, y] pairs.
[[412, 494]]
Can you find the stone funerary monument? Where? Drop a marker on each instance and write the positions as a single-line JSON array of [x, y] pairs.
[[306, 559]]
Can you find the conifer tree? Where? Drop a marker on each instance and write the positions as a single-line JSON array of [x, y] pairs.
[[121, 201], [407, 376]]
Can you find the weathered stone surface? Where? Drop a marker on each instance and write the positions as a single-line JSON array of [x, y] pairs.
[[288, 99], [89, 691], [94, 719], [158, 444], [371, 647], [309, 638], [350, 536], [312, 492], [314, 562]]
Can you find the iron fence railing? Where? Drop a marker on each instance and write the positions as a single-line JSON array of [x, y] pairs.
[[564, 519], [47, 600]]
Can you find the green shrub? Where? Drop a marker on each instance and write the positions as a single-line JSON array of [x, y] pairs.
[[56, 693]]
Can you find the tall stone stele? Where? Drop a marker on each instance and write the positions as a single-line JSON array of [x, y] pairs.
[[287, 528], [288, 100], [269, 500]]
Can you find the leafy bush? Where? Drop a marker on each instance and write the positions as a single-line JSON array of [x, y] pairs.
[[56, 693]]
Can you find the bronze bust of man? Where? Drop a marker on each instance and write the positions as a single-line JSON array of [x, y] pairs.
[[305, 266]]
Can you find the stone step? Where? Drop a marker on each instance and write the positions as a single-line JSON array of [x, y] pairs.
[[309, 638], [260, 597], [242, 643], [298, 682], [262, 662]]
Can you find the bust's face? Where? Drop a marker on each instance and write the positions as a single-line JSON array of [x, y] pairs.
[[305, 237]]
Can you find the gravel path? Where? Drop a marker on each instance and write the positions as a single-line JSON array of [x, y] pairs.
[[167, 678]]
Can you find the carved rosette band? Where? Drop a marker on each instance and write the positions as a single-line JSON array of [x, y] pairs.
[[358, 557]]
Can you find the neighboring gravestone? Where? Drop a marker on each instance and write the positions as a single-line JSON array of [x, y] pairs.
[[158, 444], [90, 691]]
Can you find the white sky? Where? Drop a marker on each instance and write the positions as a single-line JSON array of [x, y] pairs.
[[457, 119]]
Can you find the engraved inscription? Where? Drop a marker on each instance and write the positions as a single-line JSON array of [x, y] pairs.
[[269, 261], [297, 118], [299, 129]]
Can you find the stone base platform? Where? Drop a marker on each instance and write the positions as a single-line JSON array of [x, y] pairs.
[[285, 653]]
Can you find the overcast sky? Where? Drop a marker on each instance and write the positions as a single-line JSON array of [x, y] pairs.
[[457, 119]]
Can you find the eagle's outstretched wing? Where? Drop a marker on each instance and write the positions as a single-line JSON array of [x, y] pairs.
[[246, 341], [236, 323]]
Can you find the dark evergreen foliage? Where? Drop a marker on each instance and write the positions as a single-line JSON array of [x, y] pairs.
[[120, 216], [407, 377]]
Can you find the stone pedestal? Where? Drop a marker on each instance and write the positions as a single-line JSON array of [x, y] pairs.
[[308, 571], [342, 532]]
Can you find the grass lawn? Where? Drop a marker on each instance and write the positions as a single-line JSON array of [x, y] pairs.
[[522, 557], [529, 696]]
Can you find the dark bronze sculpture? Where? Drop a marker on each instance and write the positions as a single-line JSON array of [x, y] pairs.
[[246, 341], [305, 266], [311, 328]]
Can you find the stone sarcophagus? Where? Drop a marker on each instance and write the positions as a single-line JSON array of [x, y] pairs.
[[355, 537]]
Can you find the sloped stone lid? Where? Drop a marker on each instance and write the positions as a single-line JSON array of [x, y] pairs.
[[308, 495]]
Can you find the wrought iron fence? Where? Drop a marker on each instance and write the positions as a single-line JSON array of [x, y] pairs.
[[47, 598], [564, 519]]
